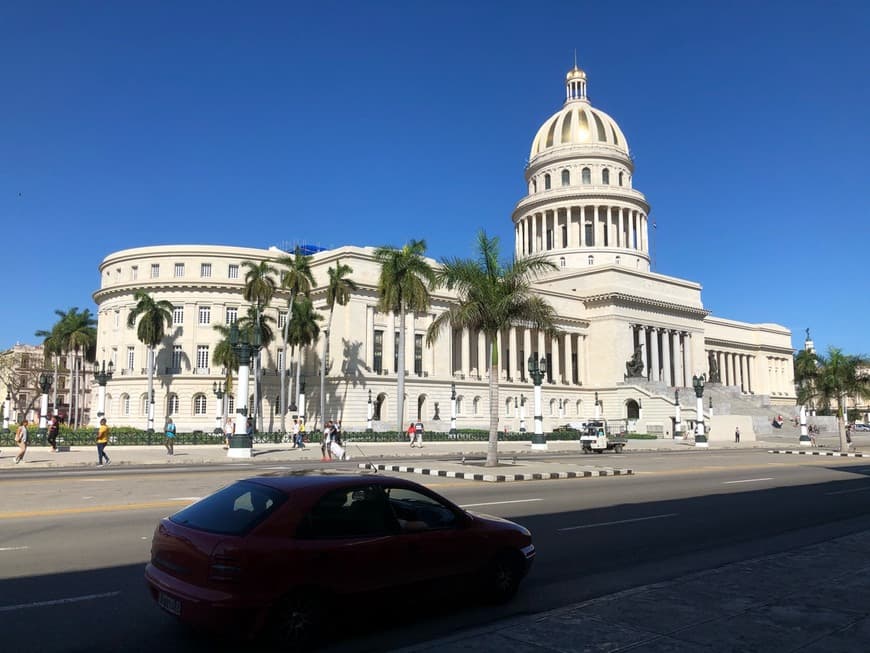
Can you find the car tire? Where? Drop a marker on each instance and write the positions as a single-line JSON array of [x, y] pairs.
[[297, 619], [502, 577]]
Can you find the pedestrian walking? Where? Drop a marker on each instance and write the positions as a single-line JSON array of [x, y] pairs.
[[294, 433], [53, 431], [418, 435], [411, 433], [169, 431], [325, 452], [102, 441], [229, 431], [737, 435], [21, 440]]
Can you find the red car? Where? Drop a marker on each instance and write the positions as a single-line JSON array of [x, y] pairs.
[[272, 552]]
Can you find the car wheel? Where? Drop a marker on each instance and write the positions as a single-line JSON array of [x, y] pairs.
[[618, 448], [502, 577], [297, 618]]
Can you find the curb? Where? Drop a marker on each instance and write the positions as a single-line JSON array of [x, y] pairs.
[[497, 478], [840, 454]]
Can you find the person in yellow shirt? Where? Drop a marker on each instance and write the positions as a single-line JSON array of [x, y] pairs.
[[102, 441]]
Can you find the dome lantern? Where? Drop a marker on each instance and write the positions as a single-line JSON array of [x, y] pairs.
[[575, 85]]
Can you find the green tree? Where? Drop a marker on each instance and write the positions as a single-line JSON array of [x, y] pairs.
[[837, 377], [298, 280], [304, 332], [806, 367], [404, 284], [53, 349], [491, 297], [75, 335], [337, 292], [154, 317], [259, 289]]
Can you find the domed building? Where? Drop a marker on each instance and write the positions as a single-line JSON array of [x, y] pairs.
[[630, 339]]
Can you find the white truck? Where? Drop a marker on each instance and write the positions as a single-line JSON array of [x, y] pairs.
[[595, 436]]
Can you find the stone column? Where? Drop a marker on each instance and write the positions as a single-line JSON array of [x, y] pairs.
[[514, 357], [482, 355], [666, 356], [390, 344], [569, 365], [465, 362], [654, 346], [557, 363], [582, 219], [500, 350]]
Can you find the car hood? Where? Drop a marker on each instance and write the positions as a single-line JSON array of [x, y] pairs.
[[499, 522]]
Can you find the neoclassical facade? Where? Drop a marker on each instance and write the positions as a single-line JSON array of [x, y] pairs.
[[581, 211]]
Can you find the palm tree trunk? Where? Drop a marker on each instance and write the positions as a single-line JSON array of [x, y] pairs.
[[56, 358], [400, 372], [299, 409], [492, 444], [283, 372], [149, 400], [841, 422], [323, 368]]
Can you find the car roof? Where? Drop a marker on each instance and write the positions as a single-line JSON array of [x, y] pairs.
[[319, 482]]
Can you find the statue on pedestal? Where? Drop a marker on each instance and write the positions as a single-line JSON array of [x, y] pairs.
[[714, 368], [634, 366]]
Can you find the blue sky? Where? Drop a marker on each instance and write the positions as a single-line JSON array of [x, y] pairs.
[[140, 123]]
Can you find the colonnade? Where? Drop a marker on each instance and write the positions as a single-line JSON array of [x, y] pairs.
[[572, 226], [666, 352], [735, 369]]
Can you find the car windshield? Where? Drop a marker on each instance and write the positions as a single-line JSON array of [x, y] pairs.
[[234, 510]]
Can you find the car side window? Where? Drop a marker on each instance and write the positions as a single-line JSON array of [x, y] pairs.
[[416, 511], [350, 512]]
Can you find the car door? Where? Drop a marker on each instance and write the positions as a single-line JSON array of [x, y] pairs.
[[435, 540], [347, 541]]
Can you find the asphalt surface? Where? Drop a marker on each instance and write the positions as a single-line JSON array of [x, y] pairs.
[[809, 598]]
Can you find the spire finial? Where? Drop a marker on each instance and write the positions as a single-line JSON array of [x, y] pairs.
[[575, 57]]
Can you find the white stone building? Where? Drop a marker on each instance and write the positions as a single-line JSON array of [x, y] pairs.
[[581, 210]]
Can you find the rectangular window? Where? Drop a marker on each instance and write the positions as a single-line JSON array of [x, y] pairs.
[[280, 359], [155, 270], [134, 273], [378, 352], [117, 319], [205, 270], [179, 269], [202, 357], [590, 235], [131, 358], [205, 315], [396, 352], [232, 315], [233, 271], [522, 358], [177, 354], [282, 319], [418, 355], [177, 315]]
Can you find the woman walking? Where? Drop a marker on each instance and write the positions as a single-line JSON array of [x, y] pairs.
[[170, 437], [102, 441], [21, 439]]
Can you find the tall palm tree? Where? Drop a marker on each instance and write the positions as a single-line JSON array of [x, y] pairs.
[[337, 292], [404, 284], [298, 280], [52, 347], [491, 297], [259, 289], [154, 317], [837, 377], [75, 335], [806, 365], [304, 331], [225, 355]]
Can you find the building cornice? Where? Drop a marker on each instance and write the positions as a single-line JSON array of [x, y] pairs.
[[636, 301]]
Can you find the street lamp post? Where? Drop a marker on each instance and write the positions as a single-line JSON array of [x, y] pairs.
[[44, 387], [537, 370], [522, 413], [370, 414], [452, 410], [102, 375], [678, 422], [561, 409], [805, 440], [597, 408], [219, 390], [242, 444], [7, 406], [700, 430]]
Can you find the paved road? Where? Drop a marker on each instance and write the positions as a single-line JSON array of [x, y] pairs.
[[86, 533]]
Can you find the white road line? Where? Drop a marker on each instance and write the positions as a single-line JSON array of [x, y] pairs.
[[860, 489], [614, 523], [748, 480], [497, 503], [14, 548], [184, 498], [42, 604]]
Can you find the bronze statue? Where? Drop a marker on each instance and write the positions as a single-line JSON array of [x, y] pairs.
[[714, 368], [634, 366]]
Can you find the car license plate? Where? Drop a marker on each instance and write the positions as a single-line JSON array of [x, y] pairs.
[[169, 603]]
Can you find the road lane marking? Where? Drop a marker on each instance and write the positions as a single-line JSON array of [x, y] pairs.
[[748, 480], [614, 523], [860, 489], [72, 599], [13, 548], [89, 509], [496, 503], [184, 498]]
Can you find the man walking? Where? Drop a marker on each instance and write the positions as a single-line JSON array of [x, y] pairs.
[[737, 435], [21, 440], [53, 430]]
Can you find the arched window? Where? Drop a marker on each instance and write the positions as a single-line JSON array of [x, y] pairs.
[[547, 181], [566, 178], [125, 404], [534, 187], [172, 404], [459, 405], [586, 176], [143, 404], [605, 176], [620, 179], [561, 261], [476, 405], [591, 260], [552, 406], [579, 406], [199, 405], [508, 404], [618, 259]]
